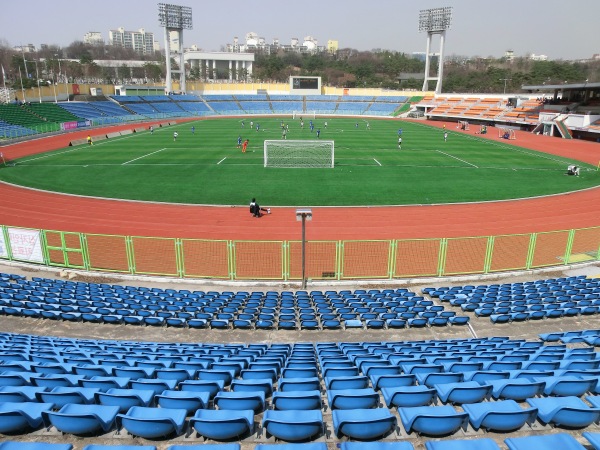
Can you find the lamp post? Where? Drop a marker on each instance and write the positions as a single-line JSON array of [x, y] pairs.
[[37, 77], [505, 81], [303, 214]]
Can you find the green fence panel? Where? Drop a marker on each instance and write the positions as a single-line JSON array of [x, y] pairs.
[[550, 249], [416, 258], [203, 258], [585, 245], [155, 256], [258, 260], [321, 260], [108, 253], [366, 259], [509, 252], [65, 249], [465, 255]]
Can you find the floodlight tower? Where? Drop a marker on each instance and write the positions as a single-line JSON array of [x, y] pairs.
[[435, 21], [175, 18]]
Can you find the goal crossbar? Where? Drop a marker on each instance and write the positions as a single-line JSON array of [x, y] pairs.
[[299, 153]]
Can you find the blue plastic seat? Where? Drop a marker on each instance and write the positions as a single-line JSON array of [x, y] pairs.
[[363, 424], [82, 419], [562, 441], [433, 378], [293, 425], [567, 385], [20, 393], [347, 445], [13, 445], [463, 392], [463, 444], [298, 384], [352, 398], [62, 395], [593, 438], [296, 400], [408, 396], [350, 382], [381, 381], [565, 411], [103, 383], [153, 384], [125, 398], [224, 424], [304, 446], [18, 417], [228, 446], [152, 423], [503, 415], [258, 384], [516, 388], [188, 400], [118, 447], [245, 400], [210, 386], [433, 420]]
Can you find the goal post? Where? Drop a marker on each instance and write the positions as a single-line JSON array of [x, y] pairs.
[[299, 153], [506, 133], [304, 115]]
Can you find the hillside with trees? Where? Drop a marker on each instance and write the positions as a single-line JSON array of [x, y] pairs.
[[347, 68]]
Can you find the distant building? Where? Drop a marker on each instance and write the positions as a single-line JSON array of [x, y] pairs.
[[332, 46], [93, 38], [140, 41], [509, 55], [535, 57], [29, 48], [419, 55], [254, 43]]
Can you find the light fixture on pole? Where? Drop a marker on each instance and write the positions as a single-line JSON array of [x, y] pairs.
[[303, 214], [174, 18], [37, 77], [435, 21]]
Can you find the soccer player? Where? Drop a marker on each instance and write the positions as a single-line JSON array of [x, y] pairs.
[[325, 124], [151, 129], [302, 124], [368, 126], [243, 124], [312, 127], [175, 134], [251, 124], [356, 126], [318, 133], [257, 126], [256, 210], [245, 146], [89, 140], [399, 142], [445, 136], [399, 131], [283, 133], [193, 129], [239, 142]]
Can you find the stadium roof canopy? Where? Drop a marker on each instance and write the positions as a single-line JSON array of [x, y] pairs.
[[562, 87]]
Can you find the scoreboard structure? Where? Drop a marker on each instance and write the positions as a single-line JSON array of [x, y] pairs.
[[305, 85]]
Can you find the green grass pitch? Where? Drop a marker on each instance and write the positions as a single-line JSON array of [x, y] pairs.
[[205, 167]]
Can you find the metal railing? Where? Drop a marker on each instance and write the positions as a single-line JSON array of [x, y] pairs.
[[281, 260]]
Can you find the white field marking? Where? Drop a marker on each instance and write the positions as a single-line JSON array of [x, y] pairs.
[[461, 160], [221, 160], [376, 161], [50, 155], [143, 156]]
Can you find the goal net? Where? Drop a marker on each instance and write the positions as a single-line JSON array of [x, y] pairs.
[[304, 115], [296, 153], [506, 133]]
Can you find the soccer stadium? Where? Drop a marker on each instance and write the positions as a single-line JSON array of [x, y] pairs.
[[417, 270]]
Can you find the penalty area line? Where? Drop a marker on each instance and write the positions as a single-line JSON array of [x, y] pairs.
[[461, 160], [378, 163], [143, 156], [221, 160]]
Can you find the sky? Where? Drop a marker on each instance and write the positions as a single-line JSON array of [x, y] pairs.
[[559, 29]]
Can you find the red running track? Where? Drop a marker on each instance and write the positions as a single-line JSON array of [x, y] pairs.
[[37, 209]]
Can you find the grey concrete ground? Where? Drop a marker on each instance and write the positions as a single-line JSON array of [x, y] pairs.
[[479, 327]]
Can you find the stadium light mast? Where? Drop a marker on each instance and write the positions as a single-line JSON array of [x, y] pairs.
[[174, 18], [435, 21]]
